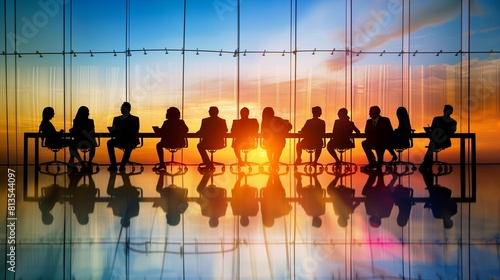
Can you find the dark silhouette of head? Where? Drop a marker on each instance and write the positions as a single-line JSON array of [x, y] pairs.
[[448, 110], [125, 108], [173, 113], [244, 112], [316, 111], [447, 223], [316, 222], [83, 219], [213, 222], [342, 221], [125, 222], [375, 221], [213, 111], [402, 114], [173, 219], [48, 113], [342, 114], [374, 112], [244, 221], [267, 114], [82, 113], [47, 218]]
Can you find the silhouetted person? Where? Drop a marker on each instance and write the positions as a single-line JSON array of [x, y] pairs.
[[401, 135], [82, 132], [312, 135], [50, 196], [244, 132], [274, 131], [244, 200], [403, 198], [83, 196], [212, 200], [173, 200], [212, 132], [378, 131], [55, 140], [342, 134], [311, 198], [440, 201], [124, 199], [125, 133], [173, 133], [342, 200], [273, 200], [379, 198], [440, 132]]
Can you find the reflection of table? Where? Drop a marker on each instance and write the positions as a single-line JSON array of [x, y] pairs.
[[421, 135]]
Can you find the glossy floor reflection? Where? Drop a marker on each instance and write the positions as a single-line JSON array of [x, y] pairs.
[[286, 225]]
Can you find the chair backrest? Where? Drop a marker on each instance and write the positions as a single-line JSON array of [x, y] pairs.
[[175, 149]]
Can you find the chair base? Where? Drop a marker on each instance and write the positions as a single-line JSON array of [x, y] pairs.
[[212, 167], [245, 167], [399, 167], [135, 167], [47, 166], [341, 168], [171, 167], [267, 168]]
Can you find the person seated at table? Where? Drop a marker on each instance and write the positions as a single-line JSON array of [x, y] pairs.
[[440, 132], [55, 140], [212, 132], [342, 134], [82, 131], [401, 135], [173, 133], [378, 130], [274, 132], [244, 133], [312, 135], [125, 133]]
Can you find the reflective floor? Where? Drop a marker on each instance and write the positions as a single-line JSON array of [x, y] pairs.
[[287, 224]]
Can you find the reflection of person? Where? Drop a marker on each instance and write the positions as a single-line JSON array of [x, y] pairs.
[[212, 132], [212, 200], [82, 131], [342, 134], [342, 200], [401, 135], [173, 200], [440, 132], [54, 139], [50, 195], [273, 200], [379, 199], [125, 133], [440, 202], [172, 132], [83, 197], [274, 131], [244, 133], [403, 198], [124, 199], [244, 201], [312, 135], [311, 199], [378, 131]]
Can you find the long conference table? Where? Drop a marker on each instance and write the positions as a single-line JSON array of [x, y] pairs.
[[463, 145]]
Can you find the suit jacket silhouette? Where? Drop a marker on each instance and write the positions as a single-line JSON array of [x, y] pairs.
[[378, 136], [245, 133], [173, 133], [212, 132], [448, 126], [313, 132], [126, 131]]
